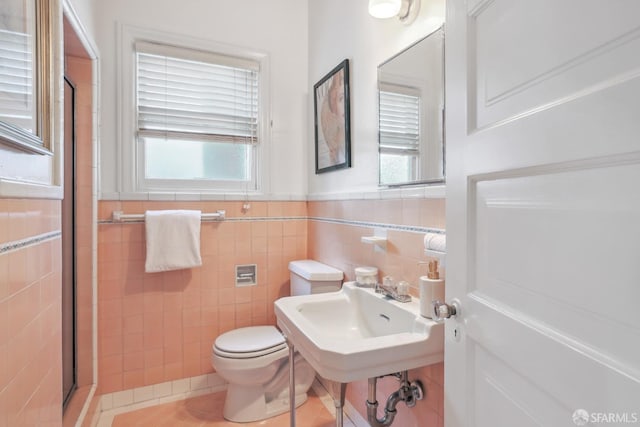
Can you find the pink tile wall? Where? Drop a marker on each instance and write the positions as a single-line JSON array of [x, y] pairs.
[[161, 326], [339, 245], [30, 304]]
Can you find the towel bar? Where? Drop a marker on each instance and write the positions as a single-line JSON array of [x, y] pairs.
[[119, 216]]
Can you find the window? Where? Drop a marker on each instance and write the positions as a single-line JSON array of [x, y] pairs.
[[17, 104], [399, 134], [197, 120]]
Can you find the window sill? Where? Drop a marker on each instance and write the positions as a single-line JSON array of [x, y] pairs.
[[27, 190]]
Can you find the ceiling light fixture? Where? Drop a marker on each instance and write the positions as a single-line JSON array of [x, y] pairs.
[[405, 10]]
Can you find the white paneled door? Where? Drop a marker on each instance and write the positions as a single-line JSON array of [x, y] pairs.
[[543, 213]]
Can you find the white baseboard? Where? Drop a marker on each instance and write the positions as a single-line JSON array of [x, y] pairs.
[[353, 417], [119, 402], [112, 404]]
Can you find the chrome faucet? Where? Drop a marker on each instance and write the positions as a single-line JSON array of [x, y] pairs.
[[390, 290]]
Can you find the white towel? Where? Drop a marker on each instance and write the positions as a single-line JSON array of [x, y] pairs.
[[435, 242], [173, 240]]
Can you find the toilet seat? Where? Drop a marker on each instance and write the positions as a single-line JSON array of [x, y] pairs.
[[249, 342]]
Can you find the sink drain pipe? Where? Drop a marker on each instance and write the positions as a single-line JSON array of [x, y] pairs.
[[408, 393]]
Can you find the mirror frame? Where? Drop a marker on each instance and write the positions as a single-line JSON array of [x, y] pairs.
[[40, 141], [435, 181]]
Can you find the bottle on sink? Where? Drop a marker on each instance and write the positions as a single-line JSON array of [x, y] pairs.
[[431, 288]]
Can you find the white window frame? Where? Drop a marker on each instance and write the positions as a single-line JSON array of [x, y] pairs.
[[131, 182]]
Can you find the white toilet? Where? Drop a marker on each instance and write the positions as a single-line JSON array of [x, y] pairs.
[[254, 360]]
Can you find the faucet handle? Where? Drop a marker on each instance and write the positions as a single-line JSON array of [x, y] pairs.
[[402, 288]]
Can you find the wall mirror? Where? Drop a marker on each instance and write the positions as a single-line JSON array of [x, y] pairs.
[[26, 75], [411, 114]]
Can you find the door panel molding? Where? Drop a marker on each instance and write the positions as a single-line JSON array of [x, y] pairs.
[[514, 73]]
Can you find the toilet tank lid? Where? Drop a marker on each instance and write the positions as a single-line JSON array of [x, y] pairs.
[[314, 270]]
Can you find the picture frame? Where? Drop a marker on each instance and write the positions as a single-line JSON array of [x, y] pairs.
[[26, 115], [332, 120]]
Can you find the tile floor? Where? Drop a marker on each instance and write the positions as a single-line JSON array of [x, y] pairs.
[[206, 410]]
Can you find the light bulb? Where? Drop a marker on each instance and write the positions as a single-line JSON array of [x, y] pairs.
[[384, 8]]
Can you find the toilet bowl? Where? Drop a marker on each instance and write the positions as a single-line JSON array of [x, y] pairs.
[[255, 360]]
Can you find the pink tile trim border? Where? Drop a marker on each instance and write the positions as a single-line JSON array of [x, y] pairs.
[[227, 219], [29, 241]]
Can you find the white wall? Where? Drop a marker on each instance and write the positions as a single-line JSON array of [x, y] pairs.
[[305, 39], [341, 29], [84, 12], [277, 27]]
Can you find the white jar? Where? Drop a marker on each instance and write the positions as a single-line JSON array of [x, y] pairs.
[[366, 277]]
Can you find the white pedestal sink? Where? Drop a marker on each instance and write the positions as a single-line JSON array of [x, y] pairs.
[[355, 334]]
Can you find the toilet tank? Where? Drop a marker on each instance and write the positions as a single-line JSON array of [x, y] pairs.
[[313, 277]]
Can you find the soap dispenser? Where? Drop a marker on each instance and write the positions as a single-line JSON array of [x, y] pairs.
[[431, 288]]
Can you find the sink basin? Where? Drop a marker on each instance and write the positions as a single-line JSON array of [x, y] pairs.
[[355, 333]]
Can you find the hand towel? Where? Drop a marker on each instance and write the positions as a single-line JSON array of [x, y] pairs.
[[435, 242], [173, 240]]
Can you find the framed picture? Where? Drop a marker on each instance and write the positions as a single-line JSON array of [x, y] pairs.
[[26, 77], [331, 115]]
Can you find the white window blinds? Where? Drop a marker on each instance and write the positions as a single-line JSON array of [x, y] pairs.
[[399, 122], [188, 94], [16, 79]]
